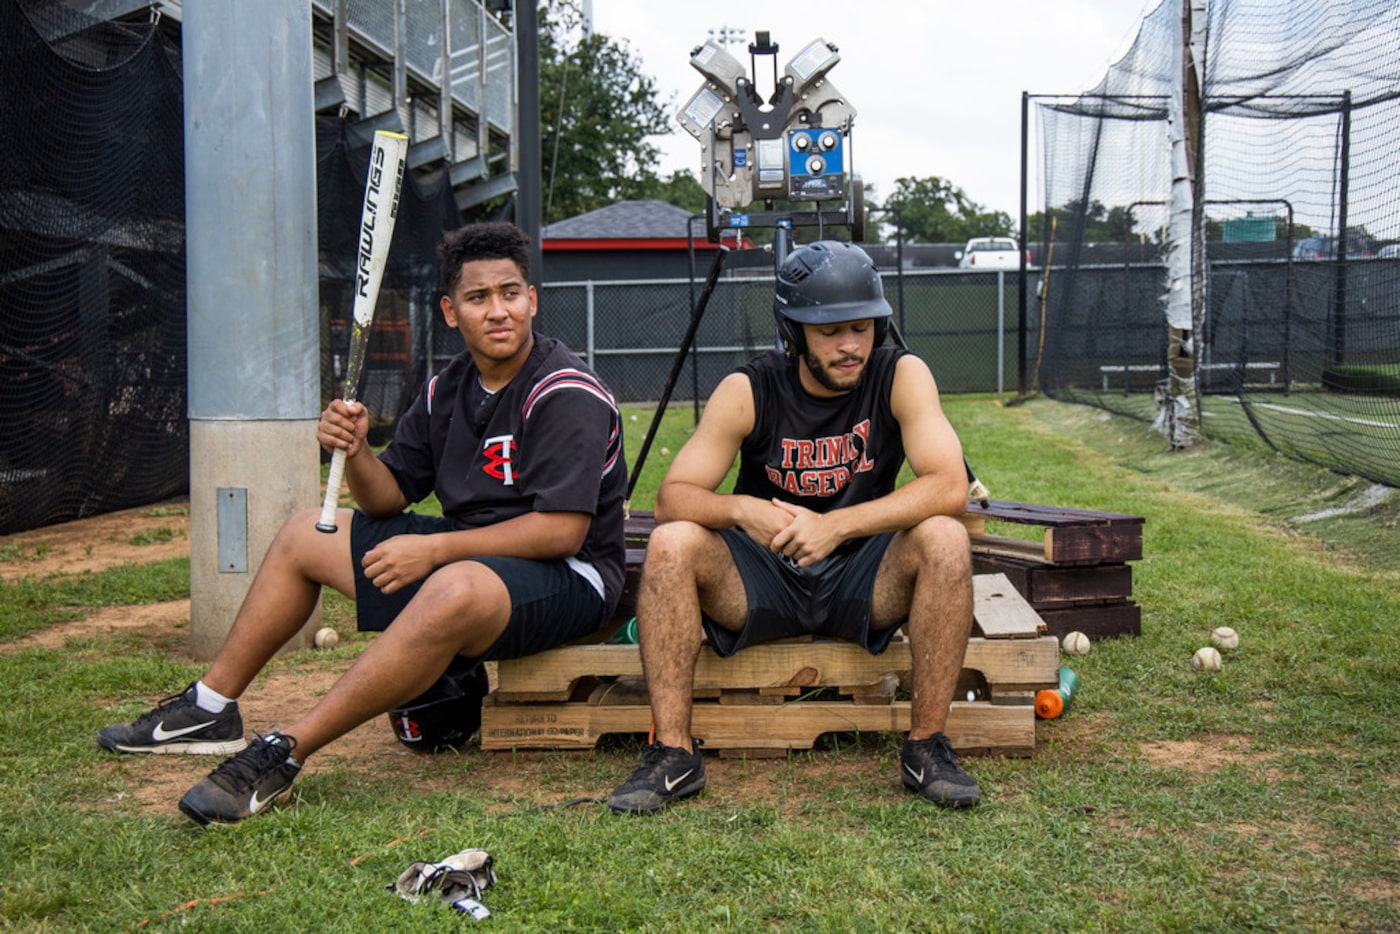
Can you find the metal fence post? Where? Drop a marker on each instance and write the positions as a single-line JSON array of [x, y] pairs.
[[589, 321], [1001, 329]]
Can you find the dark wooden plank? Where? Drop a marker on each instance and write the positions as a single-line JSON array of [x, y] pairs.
[[1094, 544], [1054, 516], [1051, 586], [1097, 622]]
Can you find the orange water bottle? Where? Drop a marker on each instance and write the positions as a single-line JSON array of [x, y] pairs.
[[1049, 703]]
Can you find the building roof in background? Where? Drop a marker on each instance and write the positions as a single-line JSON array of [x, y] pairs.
[[627, 225]]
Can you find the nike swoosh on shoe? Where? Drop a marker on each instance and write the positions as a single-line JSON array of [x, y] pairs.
[[256, 804], [160, 734], [918, 776], [672, 783]]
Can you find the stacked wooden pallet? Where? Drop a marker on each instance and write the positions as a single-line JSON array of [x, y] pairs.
[[1076, 575], [767, 699]]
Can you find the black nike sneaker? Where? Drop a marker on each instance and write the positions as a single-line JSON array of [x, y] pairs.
[[930, 767], [245, 784], [177, 725], [667, 773]]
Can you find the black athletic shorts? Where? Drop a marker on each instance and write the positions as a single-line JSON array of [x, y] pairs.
[[829, 598], [550, 603]]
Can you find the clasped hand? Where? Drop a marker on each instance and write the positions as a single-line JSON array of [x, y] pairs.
[[799, 534]]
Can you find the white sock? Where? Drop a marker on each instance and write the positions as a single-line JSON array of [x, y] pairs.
[[208, 699]]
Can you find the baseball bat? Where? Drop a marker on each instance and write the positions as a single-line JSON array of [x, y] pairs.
[[383, 184]]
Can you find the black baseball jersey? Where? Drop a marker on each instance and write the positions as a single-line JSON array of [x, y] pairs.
[[549, 441], [821, 453]]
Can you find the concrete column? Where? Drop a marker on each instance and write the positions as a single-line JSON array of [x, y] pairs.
[[251, 267]]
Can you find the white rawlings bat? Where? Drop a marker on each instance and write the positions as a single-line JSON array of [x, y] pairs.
[[383, 185]]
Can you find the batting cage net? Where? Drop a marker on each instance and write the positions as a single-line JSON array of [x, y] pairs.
[[92, 268], [1292, 119], [93, 356]]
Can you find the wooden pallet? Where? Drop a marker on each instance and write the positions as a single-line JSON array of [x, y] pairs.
[[1077, 576], [767, 699]]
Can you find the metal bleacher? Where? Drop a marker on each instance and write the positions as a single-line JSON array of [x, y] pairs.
[[442, 72]]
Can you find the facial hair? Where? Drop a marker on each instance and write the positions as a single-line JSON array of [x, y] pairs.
[[825, 379]]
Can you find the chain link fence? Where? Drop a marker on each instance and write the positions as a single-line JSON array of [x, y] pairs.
[[962, 324]]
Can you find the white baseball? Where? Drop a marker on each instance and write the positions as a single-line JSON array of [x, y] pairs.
[[327, 638], [1225, 638], [1076, 643], [1206, 659]]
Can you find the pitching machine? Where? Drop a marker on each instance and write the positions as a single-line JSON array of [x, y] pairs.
[[794, 147]]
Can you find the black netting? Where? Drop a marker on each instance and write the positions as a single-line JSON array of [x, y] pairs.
[[1299, 340], [93, 358], [92, 267], [399, 353]]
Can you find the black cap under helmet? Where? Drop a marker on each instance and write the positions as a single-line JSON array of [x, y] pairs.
[[827, 282]]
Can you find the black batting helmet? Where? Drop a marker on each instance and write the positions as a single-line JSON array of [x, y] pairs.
[[447, 714], [827, 282]]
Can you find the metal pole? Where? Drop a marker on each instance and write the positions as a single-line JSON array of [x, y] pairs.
[[1001, 330], [697, 312], [1339, 300], [694, 359], [254, 350], [528, 208], [1023, 279], [591, 319]]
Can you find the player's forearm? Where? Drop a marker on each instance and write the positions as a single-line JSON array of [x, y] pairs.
[[374, 486], [539, 536], [903, 508], [692, 503]]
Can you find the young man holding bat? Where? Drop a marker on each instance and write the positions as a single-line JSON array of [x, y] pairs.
[[814, 539], [522, 445]]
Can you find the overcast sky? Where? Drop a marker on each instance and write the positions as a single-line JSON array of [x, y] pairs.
[[936, 84]]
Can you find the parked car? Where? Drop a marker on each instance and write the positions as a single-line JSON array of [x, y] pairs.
[[984, 253], [1319, 247]]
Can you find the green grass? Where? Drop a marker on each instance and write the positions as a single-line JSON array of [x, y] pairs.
[[1261, 797]]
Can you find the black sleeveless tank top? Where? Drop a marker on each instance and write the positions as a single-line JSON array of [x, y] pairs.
[[820, 453]]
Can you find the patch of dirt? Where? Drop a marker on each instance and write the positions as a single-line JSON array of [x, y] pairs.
[[1204, 755], [131, 536]]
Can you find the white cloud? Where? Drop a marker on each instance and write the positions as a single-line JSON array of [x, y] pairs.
[[937, 85]]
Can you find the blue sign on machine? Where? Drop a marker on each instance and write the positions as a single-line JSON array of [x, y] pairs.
[[816, 164]]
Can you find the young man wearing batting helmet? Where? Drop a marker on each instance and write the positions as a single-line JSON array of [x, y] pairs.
[[522, 446], [814, 539]]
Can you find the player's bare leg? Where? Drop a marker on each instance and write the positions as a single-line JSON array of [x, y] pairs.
[[462, 609], [928, 570], [686, 567], [284, 592]]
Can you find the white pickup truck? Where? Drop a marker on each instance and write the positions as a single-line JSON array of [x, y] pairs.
[[990, 253]]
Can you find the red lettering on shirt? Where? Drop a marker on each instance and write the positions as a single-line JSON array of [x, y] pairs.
[[822, 467]]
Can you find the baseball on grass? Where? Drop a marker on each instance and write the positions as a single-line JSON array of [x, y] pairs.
[[1076, 643], [1225, 638], [327, 638], [1206, 659]]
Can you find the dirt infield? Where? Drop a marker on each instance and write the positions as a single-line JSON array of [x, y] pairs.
[[131, 536]]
